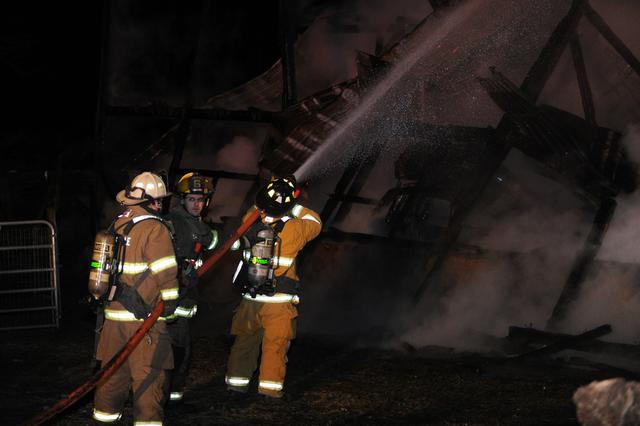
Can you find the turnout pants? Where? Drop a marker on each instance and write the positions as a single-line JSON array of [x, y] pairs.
[[144, 372], [180, 333], [261, 326]]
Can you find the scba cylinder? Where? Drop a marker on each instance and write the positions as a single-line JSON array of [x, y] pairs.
[[261, 253], [101, 262]]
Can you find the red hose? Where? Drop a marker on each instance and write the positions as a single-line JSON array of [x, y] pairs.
[[217, 254], [110, 367], [104, 373]]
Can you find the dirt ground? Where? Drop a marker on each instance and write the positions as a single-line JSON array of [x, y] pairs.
[[330, 381]]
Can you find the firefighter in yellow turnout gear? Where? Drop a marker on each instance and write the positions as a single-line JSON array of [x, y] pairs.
[[265, 319], [147, 274]]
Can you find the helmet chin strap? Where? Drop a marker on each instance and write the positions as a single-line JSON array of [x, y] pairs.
[[146, 207]]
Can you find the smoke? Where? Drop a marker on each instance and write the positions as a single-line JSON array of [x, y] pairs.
[[528, 229], [611, 294], [326, 52], [531, 225], [434, 77], [384, 106]]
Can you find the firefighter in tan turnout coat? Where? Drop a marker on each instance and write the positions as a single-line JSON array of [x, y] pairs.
[[148, 273], [265, 319]]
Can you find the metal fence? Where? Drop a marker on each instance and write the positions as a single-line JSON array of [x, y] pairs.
[[29, 292]]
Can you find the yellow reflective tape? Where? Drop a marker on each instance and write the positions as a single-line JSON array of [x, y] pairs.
[[124, 315], [151, 423], [134, 268], [284, 261], [163, 264], [267, 384], [246, 255], [237, 381], [176, 396], [119, 315], [183, 312], [235, 245], [170, 293], [106, 417], [214, 239], [276, 298], [296, 210], [309, 217]]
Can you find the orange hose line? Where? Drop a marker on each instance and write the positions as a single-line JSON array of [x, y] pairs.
[[110, 367]]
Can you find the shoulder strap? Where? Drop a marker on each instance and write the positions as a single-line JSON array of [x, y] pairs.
[[126, 228], [279, 226]]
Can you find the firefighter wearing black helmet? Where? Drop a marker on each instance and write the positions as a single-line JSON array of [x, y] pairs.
[[265, 318], [192, 237]]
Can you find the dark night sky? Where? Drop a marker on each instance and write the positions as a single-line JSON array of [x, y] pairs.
[[50, 63]]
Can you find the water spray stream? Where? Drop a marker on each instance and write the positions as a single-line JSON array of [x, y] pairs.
[[327, 152]]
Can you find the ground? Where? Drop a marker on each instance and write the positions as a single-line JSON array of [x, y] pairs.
[[330, 381]]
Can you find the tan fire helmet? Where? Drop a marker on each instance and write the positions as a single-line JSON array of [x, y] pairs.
[[145, 187]]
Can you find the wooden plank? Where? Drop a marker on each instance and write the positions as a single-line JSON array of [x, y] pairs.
[[583, 83], [567, 342], [542, 69], [612, 38], [581, 265]]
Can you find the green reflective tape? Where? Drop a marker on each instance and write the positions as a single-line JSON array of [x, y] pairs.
[[95, 264], [259, 260]]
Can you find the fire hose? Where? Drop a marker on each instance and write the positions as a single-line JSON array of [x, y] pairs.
[[112, 365]]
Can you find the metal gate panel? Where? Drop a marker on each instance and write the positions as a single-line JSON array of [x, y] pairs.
[[29, 291]]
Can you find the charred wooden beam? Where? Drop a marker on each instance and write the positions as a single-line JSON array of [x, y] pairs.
[[346, 198], [566, 342], [439, 4], [342, 185], [370, 68], [583, 83], [358, 183], [533, 337], [612, 38], [165, 111], [541, 70], [334, 234], [183, 134], [287, 37], [583, 261], [99, 148]]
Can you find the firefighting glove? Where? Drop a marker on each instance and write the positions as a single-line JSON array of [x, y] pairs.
[[169, 312]]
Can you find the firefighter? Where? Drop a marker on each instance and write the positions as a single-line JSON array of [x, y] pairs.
[[147, 274], [265, 319], [192, 236]]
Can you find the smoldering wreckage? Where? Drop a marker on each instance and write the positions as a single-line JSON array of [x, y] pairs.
[[464, 274]]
